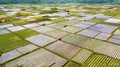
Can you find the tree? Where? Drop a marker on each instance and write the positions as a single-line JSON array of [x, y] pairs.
[[56, 1]]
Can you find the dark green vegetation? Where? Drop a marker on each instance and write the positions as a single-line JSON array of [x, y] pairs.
[[57, 1], [11, 41], [26, 33], [2, 12], [53, 10], [96, 20], [17, 23], [72, 64]]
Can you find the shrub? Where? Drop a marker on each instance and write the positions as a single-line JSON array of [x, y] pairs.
[[2, 12], [7, 18], [36, 17], [42, 19], [23, 13], [34, 7], [53, 10], [19, 22]]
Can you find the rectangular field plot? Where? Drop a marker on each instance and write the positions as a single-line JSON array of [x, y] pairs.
[[30, 25], [88, 23], [76, 40], [18, 23], [82, 25], [69, 23], [56, 33], [71, 29], [16, 28], [41, 40], [7, 38], [115, 39], [103, 36], [82, 56], [93, 44], [42, 29], [96, 60], [103, 28], [96, 20], [89, 33], [27, 48], [109, 49], [37, 58], [63, 49], [9, 55], [26, 33], [13, 45], [57, 26]]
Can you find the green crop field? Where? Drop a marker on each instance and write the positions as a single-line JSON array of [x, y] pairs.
[[49, 33]]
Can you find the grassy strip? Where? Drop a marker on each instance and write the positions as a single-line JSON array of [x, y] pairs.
[[26, 33], [7, 47]]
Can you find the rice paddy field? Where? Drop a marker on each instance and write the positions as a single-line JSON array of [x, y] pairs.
[[68, 35]]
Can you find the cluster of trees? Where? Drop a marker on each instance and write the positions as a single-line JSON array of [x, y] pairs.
[[55, 1], [100, 1]]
